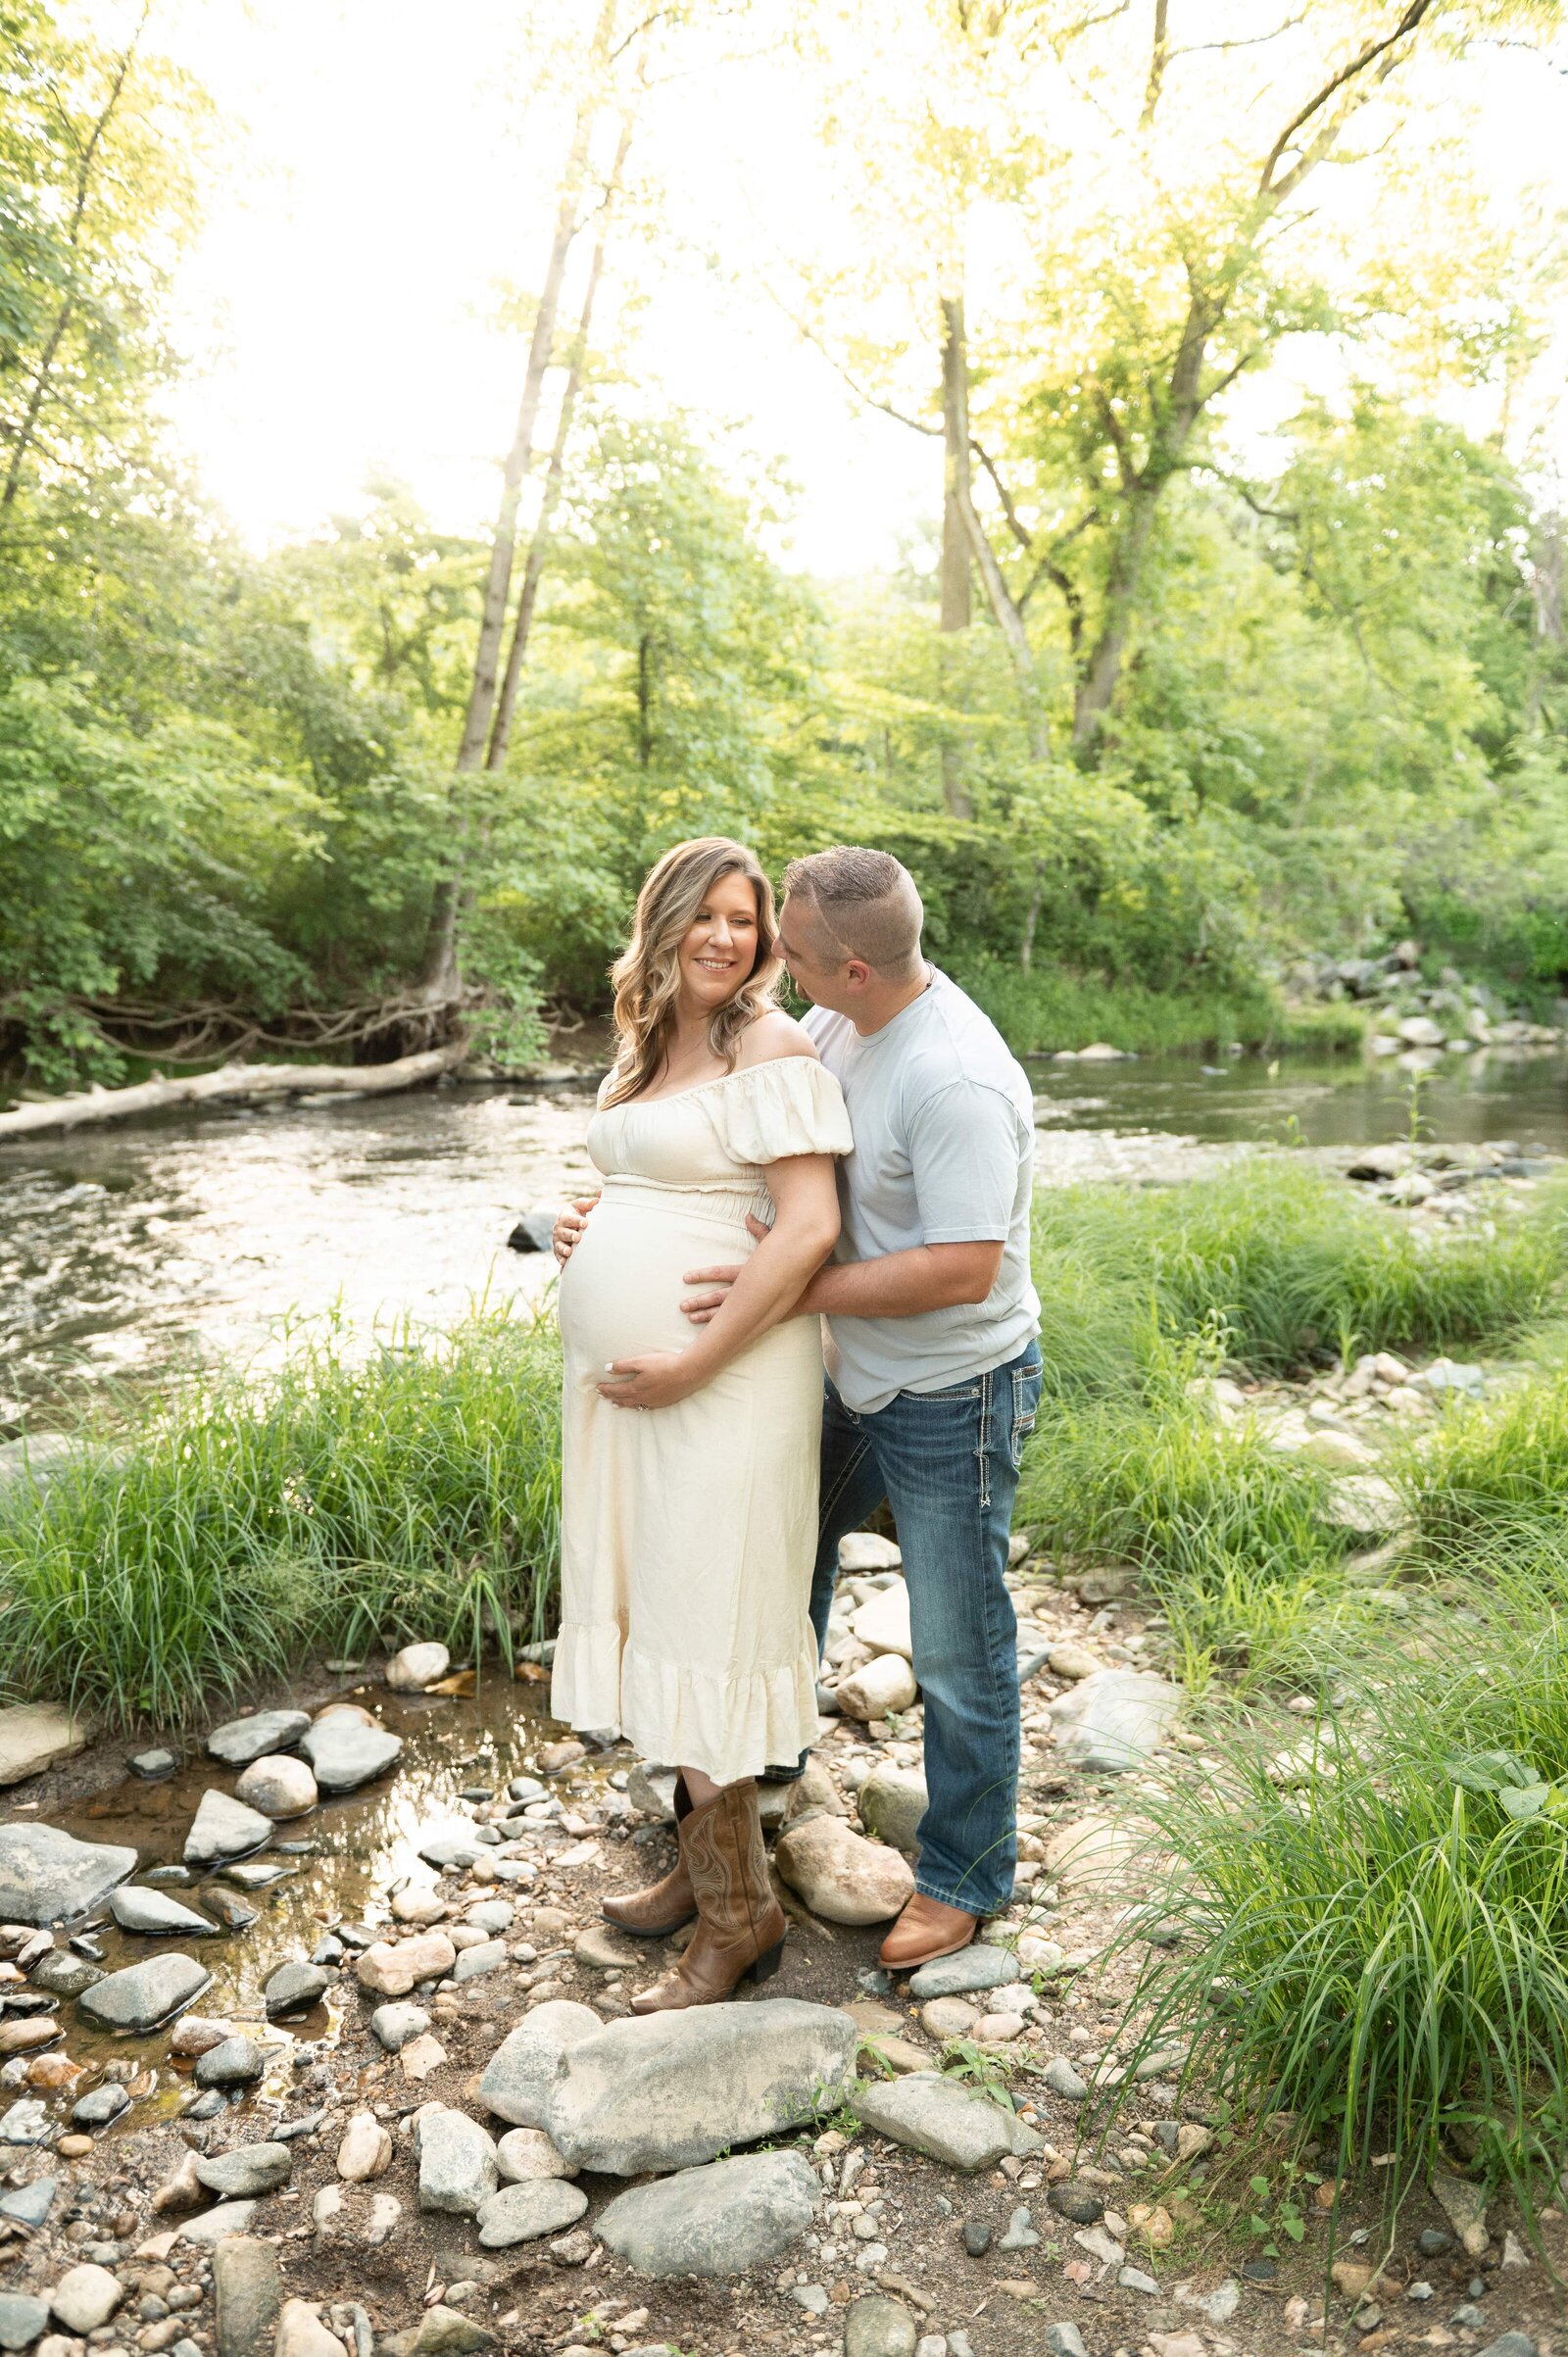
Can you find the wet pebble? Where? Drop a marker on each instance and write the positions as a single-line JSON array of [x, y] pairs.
[[236, 2062]]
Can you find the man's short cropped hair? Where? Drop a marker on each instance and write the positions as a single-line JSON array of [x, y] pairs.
[[866, 901]]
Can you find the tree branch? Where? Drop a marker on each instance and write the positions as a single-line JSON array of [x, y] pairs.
[[1267, 186]]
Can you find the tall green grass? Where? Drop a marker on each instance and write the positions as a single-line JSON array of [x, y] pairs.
[[1293, 1266], [1492, 1464], [337, 1502], [1387, 1939], [1039, 1012]]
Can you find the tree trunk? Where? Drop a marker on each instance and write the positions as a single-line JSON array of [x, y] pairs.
[[439, 966], [956, 585], [234, 1080], [1103, 670], [539, 545], [645, 701], [961, 497]]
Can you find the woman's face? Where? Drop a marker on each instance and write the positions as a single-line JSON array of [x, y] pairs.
[[718, 949]]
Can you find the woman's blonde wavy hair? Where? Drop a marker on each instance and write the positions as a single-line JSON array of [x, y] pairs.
[[646, 973]]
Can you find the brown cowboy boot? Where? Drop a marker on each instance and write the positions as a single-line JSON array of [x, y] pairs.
[[654, 1913], [740, 1924]]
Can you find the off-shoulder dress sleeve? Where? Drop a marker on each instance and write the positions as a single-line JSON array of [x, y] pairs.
[[786, 1106]]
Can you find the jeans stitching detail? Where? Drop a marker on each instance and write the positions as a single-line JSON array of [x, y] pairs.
[[982, 1452]]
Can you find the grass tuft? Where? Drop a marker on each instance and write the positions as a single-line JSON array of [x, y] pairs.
[[338, 1503]]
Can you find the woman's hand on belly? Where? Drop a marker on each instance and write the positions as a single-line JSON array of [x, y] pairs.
[[655, 1378]]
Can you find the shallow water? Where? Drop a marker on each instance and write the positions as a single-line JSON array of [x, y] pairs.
[[136, 1250], [364, 1846]]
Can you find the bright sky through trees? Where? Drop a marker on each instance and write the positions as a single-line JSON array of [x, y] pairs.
[[382, 168]]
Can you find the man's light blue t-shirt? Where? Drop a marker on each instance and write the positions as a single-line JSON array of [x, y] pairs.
[[942, 1117]]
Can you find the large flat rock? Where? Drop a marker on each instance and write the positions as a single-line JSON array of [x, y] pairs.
[[717, 2220], [1114, 1720], [34, 1736], [671, 2091], [345, 1755], [145, 1994], [947, 2122], [240, 1741], [224, 1829], [48, 1877]]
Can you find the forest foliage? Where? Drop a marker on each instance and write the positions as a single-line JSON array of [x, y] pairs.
[[1154, 704]]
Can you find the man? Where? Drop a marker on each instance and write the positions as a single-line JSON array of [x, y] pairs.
[[933, 1362]]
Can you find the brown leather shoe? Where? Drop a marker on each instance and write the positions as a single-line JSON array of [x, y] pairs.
[[654, 1913], [928, 1928], [740, 1924]]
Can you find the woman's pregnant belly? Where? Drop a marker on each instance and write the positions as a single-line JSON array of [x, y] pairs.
[[620, 1292]]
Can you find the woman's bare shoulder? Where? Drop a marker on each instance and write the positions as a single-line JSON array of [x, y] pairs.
[[775, 1035]]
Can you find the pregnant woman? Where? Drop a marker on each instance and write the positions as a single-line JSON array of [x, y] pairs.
[[690, 1461]]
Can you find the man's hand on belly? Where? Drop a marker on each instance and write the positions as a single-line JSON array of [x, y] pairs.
[[717, 1281]]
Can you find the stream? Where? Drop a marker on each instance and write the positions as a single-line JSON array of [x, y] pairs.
[[141, 1251]]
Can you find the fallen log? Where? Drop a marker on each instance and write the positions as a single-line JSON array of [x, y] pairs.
[[246, 1081]]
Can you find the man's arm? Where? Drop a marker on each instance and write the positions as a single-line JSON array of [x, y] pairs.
[[930, 1276]]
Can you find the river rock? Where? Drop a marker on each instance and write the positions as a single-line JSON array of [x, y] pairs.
[[487, 1957], [1065, 2080], [416, 1667], [492, 1915], [717, 2220], [365, 2151], [884, 1684], [302, 2333], [26, 2123], [60, 1974], [85, 2297], [277, 1786], [526, 2155], [1114, 1720], [521, 2071], [1092, 1853], [882, 1623], [453, 1843], [197, 2034], [522, 2212], [144, 1994], [975, 1967], [456, 2161], [951, 2123], [864, 1550], [876, 2326], [34, 1736], [99, 2106], [240, 1741], [668, 2090], [29, 2205], [227, 2217], [233, 2062], [247, 2172], [392, 1970], [293, 1988], [345, 1755], [397, 2025], [248, 2290], [892, 1803], [224, 1829], [841, 1875], [22, 2320], [1464, 2205], [157, 1916], [48, 1877]]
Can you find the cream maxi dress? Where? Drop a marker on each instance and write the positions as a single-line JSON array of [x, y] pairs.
[[689, 1533]]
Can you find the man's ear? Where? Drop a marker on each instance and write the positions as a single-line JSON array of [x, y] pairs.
[[857, 971]]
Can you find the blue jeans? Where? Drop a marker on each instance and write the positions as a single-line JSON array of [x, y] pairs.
[[947, 1463]]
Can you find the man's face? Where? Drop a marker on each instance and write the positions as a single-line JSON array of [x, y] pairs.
[[816, 966]]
